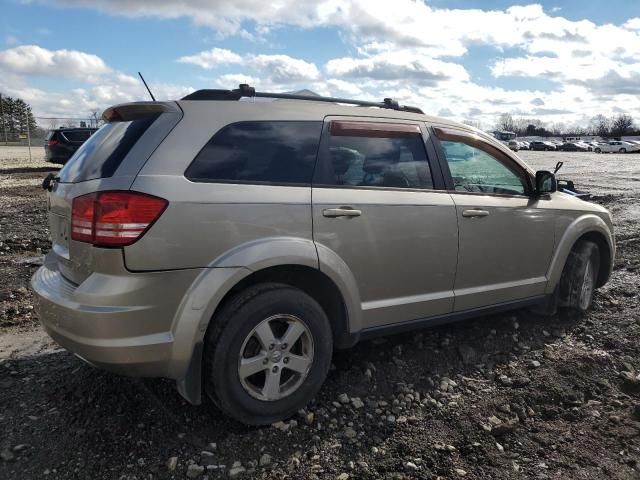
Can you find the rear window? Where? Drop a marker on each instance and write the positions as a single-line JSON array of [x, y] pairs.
[[77, 135], [268, 152], [102, 154], [50, 135]]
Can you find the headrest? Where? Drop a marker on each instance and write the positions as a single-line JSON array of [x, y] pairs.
[[342, 158]]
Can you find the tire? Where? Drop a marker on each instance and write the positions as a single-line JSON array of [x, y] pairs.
[[623, 150], [579, 276], [233, 334], [598, 150]]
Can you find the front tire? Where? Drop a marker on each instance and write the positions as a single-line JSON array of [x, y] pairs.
[[267, 353], [598, 150], [623, 150], [579, 277]]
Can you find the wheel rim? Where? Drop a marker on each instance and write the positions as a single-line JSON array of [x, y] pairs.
[[275, 357], [587, 287]]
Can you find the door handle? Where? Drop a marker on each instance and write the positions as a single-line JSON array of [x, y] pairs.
[[475, 213], [341, 212]]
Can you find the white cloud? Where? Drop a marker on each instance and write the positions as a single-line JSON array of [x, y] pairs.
[[104, 85], [212, 58], [275, 69], [283, 68], [35, 60], [407, 49], [410, 66]]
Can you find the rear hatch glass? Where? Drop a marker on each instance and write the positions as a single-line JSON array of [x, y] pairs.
[[102, 154], [77, 136]]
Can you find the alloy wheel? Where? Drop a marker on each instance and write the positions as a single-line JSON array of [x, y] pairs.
[[275, 358]]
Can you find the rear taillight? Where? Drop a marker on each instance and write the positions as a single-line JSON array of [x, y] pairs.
[[114, 219], [51, 143]]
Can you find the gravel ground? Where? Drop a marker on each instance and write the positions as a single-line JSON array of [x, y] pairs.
[[502, 397]]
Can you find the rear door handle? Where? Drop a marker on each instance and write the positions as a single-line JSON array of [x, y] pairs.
[[341, 212], [475, 213]]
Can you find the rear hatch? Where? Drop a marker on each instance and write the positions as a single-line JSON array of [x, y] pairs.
[[109, 160]]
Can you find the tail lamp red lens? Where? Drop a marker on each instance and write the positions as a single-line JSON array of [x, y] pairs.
[[51, 143], [114, 218]]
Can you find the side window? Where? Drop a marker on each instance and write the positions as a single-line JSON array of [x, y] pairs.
[[377, 155], [259, 152], [475, 167]]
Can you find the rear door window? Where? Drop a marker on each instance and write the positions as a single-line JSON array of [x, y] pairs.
[[102, 154], [372, 154], [264, 152]]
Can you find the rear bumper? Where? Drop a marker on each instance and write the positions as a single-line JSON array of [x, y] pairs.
[[118, 322]]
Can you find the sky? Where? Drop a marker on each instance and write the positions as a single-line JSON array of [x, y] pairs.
[[558, 61]]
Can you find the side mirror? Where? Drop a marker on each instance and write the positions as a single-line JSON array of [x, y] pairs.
[[545, 182]]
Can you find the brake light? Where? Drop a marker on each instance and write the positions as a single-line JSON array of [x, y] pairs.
[[51, 143], [114, 218]]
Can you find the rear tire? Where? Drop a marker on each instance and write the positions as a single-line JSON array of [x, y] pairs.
[[579, 277], [598, 150], [253, 327], [623, 150]]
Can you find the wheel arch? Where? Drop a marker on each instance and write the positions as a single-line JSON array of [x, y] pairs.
[[290, 261], [587, 227]]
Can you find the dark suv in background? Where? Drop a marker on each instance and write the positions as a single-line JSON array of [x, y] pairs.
[[62, 143]]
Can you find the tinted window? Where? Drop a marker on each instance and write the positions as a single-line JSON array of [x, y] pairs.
[[475, 170], [376, 161], [77, 135], [259, 152], [102, 154]]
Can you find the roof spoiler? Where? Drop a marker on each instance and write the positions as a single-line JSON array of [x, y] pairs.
[[245, 90], [126, 112]]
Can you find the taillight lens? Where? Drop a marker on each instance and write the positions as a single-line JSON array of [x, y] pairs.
[[51, 143], [114, 219]]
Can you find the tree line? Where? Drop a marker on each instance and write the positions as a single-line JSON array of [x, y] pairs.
[[600, 125], [15, 117]]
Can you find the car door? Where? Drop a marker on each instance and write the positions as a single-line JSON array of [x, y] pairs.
[[506, 236], [380, 208]]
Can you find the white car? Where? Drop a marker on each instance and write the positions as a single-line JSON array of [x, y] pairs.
[[617, 147]]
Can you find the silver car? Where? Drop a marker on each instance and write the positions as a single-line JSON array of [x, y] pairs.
[[231, 244]]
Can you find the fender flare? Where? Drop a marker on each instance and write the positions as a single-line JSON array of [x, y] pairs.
[[580, 226], [205, 294]]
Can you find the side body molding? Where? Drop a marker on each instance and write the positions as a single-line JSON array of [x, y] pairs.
[[578, 227]]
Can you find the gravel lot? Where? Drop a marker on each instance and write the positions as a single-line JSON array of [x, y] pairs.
[[502, 397]]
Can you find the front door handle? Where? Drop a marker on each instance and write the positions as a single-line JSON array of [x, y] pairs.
[[475, 213], [341, 212]]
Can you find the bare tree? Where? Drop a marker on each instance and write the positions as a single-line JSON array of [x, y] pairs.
[[599, 125], [505, 123], [621, 124]]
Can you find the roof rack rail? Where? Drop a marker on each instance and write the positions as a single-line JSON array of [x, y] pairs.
[[245, 90]]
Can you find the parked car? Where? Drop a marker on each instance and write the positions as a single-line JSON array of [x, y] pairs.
[[523, 145], [62, 143], [617, 147], [573, 147], [540, 145], [232, 246], [513, 145]]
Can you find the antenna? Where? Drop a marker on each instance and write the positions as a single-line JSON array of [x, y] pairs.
[[147, 86]]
